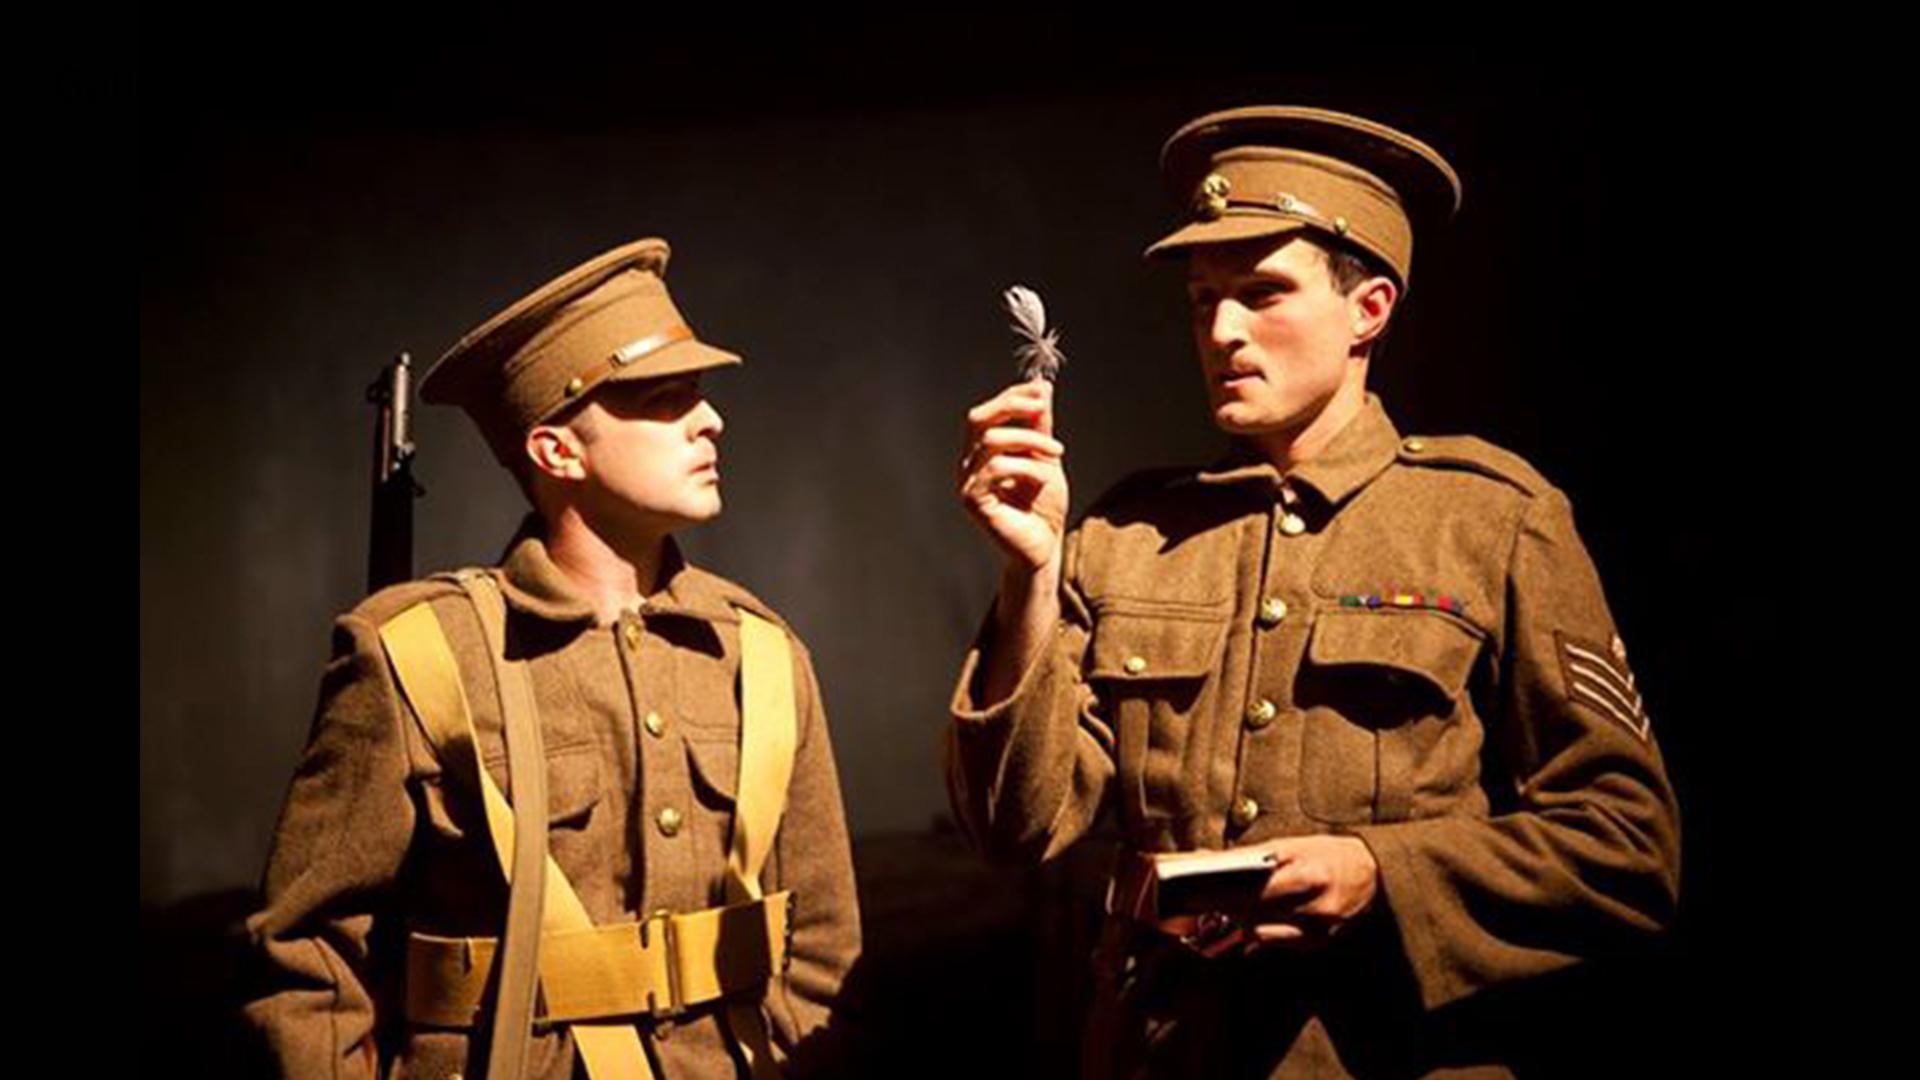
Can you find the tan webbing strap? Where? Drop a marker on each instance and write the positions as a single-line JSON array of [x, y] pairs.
[[657, 967], [527, 775], [769, 732], [430, 677]]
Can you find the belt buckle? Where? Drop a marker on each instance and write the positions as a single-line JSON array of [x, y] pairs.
[[660, 923]]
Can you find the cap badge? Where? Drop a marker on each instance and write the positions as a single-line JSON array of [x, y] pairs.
[[1213, 196]]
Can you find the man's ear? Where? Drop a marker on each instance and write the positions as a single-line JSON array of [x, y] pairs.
[[1370, 305], [556, 451]]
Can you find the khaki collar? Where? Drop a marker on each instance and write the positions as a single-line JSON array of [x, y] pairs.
[[534, 585], [1361, 451]]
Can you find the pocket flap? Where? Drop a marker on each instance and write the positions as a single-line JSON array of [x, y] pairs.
[[1438, 649], [1140, 647], [573, 781], [716, 766]]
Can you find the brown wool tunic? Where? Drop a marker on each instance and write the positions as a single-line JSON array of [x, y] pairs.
[[1401, 640], [638, 718]]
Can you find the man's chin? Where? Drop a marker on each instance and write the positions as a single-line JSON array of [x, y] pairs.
[[1236, 418], [689, 515]]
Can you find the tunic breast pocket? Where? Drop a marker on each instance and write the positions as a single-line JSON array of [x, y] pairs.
[[1150, 662], [1375, 685], [573, 789], [714, 768], [716, 771], [452, 809]]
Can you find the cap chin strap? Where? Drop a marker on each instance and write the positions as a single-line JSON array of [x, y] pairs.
[[652, 343], [1210, 208]]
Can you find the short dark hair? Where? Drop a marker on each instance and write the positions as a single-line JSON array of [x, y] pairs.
[[1349, 264]]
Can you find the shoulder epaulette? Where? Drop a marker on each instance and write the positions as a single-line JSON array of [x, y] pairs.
[[737, 594], [1475, 455], [394, 599]]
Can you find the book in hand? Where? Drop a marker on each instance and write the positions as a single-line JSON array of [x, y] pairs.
[[1205, 898]]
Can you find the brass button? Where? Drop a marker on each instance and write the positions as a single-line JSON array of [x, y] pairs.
[[1272, 610], [631, 631], [1340, 226], [669, 821], [1414, 446], [1293, 525], [655, 726], [1260, 714], [575, 385], [1244, 811], [1135, 664]]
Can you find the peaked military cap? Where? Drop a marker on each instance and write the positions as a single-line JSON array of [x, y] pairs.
[[1267, 170], [608, 319]]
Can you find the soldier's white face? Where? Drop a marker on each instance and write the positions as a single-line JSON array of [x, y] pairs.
[[650, 450], [1273, 332]]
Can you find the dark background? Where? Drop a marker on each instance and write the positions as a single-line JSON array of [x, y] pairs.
[[846, 202]]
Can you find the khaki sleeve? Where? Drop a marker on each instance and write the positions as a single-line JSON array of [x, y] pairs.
[[339, 845], [1027, 776], [1581, 855], [814, 1026]]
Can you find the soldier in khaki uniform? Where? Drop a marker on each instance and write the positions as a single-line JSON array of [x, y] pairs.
[[383, 883], [1384, 661]]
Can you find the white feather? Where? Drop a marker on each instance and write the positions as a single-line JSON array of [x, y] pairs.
[[1038, 354]]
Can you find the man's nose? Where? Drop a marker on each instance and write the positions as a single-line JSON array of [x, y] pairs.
[[1227, 330], [707, 420]]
